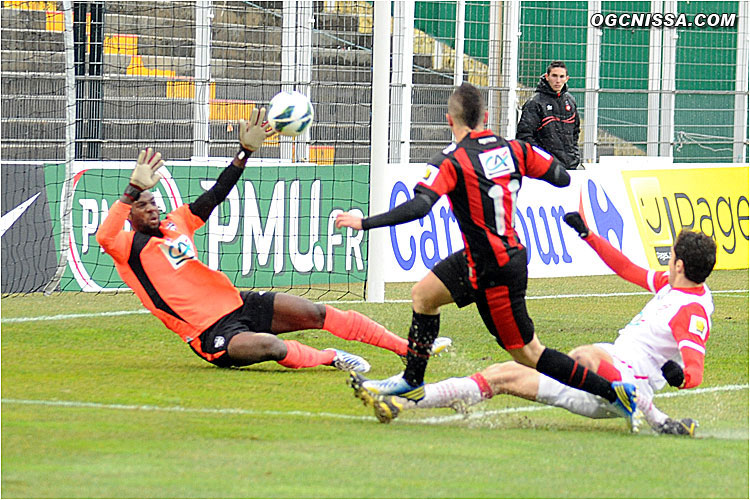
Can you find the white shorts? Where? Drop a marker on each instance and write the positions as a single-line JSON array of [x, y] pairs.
[[552, 392], [631, 372]]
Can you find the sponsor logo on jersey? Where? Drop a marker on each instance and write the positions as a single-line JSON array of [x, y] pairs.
[[698, 326], [497, 162], [178, 251], [430, 174], [549, 107], [637, 319], [171, 226]]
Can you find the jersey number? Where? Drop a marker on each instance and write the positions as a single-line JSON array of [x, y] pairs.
[[497, 193]]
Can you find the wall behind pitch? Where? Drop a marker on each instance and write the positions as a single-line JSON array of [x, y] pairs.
[[710, 198]]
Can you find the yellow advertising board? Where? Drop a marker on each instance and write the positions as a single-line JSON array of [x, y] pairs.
[[713, 200]]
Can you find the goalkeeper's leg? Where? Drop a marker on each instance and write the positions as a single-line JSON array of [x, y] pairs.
[[351, 325], [292, 313]]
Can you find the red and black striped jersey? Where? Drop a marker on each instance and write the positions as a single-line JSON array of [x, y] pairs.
[[481, 175]]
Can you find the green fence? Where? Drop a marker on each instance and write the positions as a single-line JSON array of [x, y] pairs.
[[705, 71]]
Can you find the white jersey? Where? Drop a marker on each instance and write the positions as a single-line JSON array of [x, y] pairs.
[[674, 325], [674, 320]]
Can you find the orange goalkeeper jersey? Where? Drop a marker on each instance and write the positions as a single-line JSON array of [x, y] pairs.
[[165, 273]]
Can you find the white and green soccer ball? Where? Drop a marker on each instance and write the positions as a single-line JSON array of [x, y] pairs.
[[290, 113]]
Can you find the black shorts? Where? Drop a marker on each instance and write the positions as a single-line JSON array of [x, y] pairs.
[[453, 272], [503, 305], [255, 315]]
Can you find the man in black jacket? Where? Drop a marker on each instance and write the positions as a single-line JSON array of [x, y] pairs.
[[550, 119]]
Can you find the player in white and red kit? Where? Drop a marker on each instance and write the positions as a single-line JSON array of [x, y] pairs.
[[664, 343]]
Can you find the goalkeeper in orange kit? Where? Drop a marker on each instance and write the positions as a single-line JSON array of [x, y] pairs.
[[222, 325]]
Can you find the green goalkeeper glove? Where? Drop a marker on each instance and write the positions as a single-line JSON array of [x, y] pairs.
[[254, 131], [574, 220]]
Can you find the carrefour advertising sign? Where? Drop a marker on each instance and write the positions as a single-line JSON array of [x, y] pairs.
[[553, 248], [276, 227]]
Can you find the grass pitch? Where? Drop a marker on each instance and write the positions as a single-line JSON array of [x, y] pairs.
[[115, 406]]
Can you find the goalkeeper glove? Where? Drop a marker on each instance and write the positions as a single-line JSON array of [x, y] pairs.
[[144, 174], [673, 373], [254, 131], [574, 220]]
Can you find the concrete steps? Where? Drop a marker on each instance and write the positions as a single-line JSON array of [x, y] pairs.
[[246, 66]]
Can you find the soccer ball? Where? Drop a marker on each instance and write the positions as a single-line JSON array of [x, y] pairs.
[[290, 113]]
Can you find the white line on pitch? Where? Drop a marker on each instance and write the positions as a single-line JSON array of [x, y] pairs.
[[59, 317], [488, 413], [240, 411], [179, 409]]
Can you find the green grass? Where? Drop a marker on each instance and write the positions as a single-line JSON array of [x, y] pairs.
[[163, 423]]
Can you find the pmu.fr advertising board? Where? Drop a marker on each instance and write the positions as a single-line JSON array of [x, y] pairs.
[[275, 229]]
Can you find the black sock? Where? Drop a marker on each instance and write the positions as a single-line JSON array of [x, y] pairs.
[[424, 329], [567, 371]]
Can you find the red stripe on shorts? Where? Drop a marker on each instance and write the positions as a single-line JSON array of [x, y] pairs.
[[502, 316]]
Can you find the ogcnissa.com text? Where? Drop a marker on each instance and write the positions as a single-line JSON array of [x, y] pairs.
[[663, 20]]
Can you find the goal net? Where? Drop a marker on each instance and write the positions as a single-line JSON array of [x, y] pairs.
[[86, 85]]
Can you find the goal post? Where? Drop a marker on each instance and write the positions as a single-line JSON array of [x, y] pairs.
[[66, 205], [378, 244], [177, 77]]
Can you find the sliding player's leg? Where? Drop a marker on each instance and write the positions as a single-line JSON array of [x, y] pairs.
[[503, 309], [603, 358], [509, 378]]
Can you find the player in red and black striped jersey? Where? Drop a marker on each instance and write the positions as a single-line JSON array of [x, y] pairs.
[[224, 326], [481, 174]]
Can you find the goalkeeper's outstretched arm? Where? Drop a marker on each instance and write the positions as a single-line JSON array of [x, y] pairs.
[[142, 178], [252, 134]]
